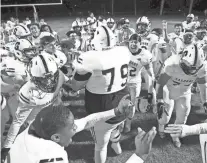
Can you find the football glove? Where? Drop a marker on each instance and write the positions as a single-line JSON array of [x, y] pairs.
[[161, 109]]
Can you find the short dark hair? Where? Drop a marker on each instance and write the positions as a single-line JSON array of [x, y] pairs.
[[50, 120], [46, 40], [36, 24], [178, 25], [45, 25], [157, 30]]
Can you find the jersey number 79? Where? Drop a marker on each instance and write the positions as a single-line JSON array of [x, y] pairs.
[[112, 72]]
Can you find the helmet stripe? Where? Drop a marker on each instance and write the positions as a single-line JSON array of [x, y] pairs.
[[107, 34], [44, 63], [196, 55], [23, 27]]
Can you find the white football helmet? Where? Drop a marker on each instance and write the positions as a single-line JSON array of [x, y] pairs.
[[143, 25], [110, 22], [24, 50], [21, 31], [44, 73], [103, 39], [85, 25], [76, 26], [192, 59]]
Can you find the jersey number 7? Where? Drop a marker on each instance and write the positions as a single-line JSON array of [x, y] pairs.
[[112, 72]]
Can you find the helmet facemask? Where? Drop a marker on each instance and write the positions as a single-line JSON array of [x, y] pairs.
[[187, 67], [110, 25], [188, 38], [142, 29], [48, 83]]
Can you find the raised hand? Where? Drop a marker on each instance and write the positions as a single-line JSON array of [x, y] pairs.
[[143, 141]]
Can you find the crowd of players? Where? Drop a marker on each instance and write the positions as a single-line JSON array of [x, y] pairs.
[[109, 60]]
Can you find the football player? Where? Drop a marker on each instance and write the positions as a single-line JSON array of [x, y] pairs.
[[125, 32], [103, 72], [140, 58], [110, 23], [14, 74], [180, 130], [200, 37], [174, 39], [53, 129], [76, 26], [91, 20], [43, 89], [36, 34], [189, 24], [174, 86], [148, 40], [48, 44]]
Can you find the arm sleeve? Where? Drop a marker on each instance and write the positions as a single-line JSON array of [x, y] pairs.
[[198, 129], [134, 159], [168, 67], [92, 119]]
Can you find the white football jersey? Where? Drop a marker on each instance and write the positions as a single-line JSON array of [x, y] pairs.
[[109, 69], [137, 61], [148, 41], [10, 47], [15, 74], [59, 57], [28, 148], [180, 84], [189, 26], [36, 40], [31, 96]]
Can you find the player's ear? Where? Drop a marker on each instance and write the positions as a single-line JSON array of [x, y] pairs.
[[55, 138]]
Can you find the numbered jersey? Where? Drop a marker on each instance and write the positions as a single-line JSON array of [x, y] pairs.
[[180, 84], [137, 61], [109, 69], [31, 96], [10, 47], [148, 41], [36, 150]]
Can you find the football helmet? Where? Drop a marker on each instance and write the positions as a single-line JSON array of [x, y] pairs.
[[190, 17], [103, 38], [110, 23], [143, 25], [134, 43], [192, 59], [76, 26], [188, 37], [21, 31], [85, 25], [200, 32], [24, 50], [44, 73]]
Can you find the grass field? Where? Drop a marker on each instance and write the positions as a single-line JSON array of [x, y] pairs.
[[82, 148]]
